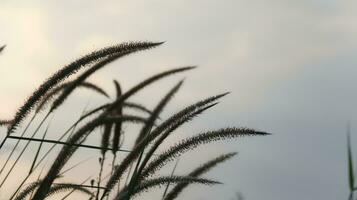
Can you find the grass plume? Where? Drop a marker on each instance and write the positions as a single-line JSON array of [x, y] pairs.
[[196, 173], [193, 142], [157, 182], [62, 74]]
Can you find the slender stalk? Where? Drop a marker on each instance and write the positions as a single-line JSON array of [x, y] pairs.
[[39, 147], [23, 182], [45, 155], [23, 150], [65, 197], [38, 178], [65, 143], [100, 175], [127, 177], [73, 127], [17, 143], [74, 166], [27, 126], [172, 174]]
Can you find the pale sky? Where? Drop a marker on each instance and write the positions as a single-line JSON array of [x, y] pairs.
[[290, 65]]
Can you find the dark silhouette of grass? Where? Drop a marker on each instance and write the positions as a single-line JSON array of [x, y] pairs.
[[140, 164]]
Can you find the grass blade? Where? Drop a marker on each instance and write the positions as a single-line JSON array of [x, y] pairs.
[[172, 174], [351, 174], [39, 147]]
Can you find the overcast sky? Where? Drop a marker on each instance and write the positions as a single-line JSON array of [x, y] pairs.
[[290, 65]]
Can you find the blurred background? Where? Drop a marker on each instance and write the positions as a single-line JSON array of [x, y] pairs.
[[290, 67]]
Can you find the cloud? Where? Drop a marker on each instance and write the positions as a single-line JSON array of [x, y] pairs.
[[272, 55], [28, 51]]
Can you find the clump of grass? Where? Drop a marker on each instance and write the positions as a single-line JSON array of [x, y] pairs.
[[142, 162]]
